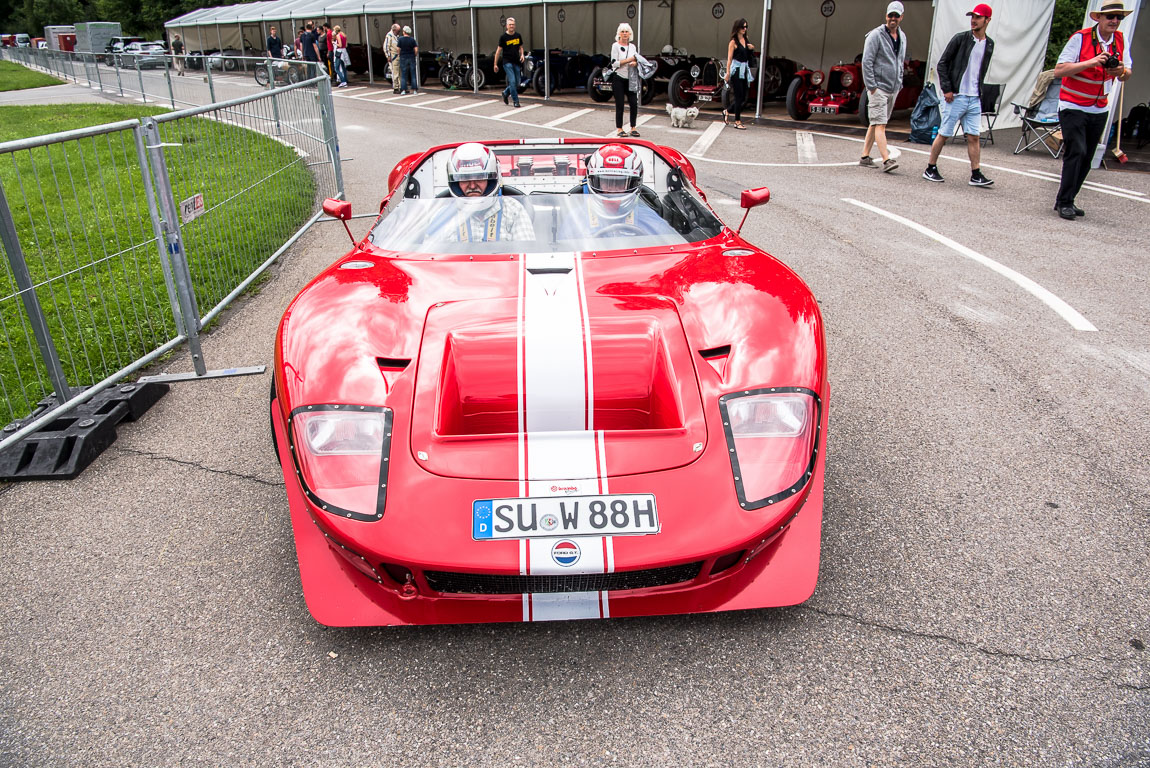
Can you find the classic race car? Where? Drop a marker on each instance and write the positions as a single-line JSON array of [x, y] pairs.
[[551, 415], [570, 70], [702, 80], [841, 92]]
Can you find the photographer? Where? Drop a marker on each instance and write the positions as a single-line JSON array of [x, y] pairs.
[[1089, 64]]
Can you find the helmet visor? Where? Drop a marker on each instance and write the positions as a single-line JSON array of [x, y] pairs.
[[613, 184]]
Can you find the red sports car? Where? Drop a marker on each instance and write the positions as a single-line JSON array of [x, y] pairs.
[[574, 393]]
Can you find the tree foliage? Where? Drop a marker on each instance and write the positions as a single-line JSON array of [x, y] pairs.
[[1068, 15], [137, 17]]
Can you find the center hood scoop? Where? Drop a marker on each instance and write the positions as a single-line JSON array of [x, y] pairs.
[[506, 387]]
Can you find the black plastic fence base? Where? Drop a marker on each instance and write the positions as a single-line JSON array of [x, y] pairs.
[[63, 448]]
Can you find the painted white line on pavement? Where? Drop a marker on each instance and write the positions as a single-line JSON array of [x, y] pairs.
[[1064, 310], [769, 165], [1096, 184], [376, 98], [346, 91], [704, 142], [806, 147], [568, 117], [643, 120], [516, 111], [472, 105], [434, 101]]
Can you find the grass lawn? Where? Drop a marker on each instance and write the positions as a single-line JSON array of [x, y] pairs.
[[17, 77], [82, 218]]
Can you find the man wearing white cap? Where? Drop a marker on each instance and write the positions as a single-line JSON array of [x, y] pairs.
[[883, 61], [1089, 64]]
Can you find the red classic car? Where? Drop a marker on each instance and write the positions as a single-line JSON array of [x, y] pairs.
[[841, 91], [564, 418]]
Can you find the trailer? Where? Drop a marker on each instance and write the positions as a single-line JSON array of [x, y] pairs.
[[52, 35], [93, 36]]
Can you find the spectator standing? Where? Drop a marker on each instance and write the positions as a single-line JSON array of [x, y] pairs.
[[884, 58], [310, 46], [178, 54], [408, 56], [624, 57], [339, 55], [1089, 64], [391, 50], [275, 46], [961, 72], [510, 49], [739, 75], [299, 43], [324, 42]]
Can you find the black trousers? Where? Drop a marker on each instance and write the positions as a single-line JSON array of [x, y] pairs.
[[1081, 132], [738, 97], [620, 86]]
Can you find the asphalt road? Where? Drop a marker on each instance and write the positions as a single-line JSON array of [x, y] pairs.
[[982, 596]]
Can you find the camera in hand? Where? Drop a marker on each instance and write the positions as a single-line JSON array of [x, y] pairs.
[[1111, 62]]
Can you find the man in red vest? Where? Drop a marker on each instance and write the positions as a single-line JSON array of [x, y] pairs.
[[1089, 64]]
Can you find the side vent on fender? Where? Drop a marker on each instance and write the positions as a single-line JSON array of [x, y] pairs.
[[391, 368], [717, 357]]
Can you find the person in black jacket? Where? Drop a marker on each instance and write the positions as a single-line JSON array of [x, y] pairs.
[[961, 73]]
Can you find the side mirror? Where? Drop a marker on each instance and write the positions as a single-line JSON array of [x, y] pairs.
[[752, 198], [339, 209]]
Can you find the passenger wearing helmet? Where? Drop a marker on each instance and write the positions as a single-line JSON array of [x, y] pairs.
[[481, 213], [614, 207]]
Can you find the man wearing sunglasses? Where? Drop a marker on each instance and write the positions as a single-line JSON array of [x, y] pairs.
[[961, 73], [1089, 64], [883, 60]]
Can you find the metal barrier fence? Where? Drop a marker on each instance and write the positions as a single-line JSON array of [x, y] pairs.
[[163, 79], [121, 241]]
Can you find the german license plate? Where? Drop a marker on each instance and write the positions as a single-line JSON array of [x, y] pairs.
[[704, 98], [623, 514]]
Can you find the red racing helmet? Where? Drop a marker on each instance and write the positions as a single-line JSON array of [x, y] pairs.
[[614, 169]]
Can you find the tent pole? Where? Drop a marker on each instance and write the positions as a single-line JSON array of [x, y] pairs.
[[474, 56], [367, 41], [220, 38], [414, 32], [639, 25], [547, 57], [763, 56], [243, 53]]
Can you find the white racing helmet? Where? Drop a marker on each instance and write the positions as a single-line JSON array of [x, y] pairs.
[[614, 175], [470, 162]]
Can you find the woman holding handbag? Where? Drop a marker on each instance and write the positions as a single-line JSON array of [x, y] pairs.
[[340, 57], [624, 57], [739, 75]]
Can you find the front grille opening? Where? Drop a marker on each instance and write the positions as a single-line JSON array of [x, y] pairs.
[[497, 584]]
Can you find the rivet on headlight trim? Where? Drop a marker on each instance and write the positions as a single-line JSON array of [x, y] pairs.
[[381, 496]]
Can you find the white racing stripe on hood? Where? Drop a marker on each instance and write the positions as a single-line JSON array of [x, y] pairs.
[[557, 437]]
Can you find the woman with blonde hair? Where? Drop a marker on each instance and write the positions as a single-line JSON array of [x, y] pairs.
[[339, 55], [624, 57]]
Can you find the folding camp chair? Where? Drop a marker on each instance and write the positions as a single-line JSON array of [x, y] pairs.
[[1040, 117], [991, 96]]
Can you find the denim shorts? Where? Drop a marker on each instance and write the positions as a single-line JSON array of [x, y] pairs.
[[966, 110]]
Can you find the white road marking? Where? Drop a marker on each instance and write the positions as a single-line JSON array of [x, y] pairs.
[[434, 101], [1097, 185], [568, 117], [704, 142], [516, 111], [346, 91], [375, 98], [806, 147], [1064, 310], [472, 105], [643, 120]]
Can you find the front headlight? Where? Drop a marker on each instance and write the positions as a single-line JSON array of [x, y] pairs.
[[772, 438], [847, 79], [695, 70], [341, 456], [817, 78]]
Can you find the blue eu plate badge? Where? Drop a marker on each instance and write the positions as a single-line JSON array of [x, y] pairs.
[[481, 519]]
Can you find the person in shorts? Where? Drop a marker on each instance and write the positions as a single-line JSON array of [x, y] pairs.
[[961, 73], [883, 61]]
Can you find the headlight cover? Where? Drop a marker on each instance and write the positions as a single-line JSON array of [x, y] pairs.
[[817, 78], [341, 457], [772, 438]]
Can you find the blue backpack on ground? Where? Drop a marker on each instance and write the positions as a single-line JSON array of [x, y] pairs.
[[925, 117]]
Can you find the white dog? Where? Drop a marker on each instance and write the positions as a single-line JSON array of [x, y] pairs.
[[682, 118]]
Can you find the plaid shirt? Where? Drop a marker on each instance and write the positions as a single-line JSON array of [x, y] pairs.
[[510, 218]]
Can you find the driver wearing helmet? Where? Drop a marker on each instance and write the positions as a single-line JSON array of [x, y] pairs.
[[613, 204], [481, 213]]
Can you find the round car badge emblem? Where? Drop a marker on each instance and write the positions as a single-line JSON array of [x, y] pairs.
[[565, 553], [549, 522]]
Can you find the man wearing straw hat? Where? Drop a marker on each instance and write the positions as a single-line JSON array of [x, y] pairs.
[[1089, 64]]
